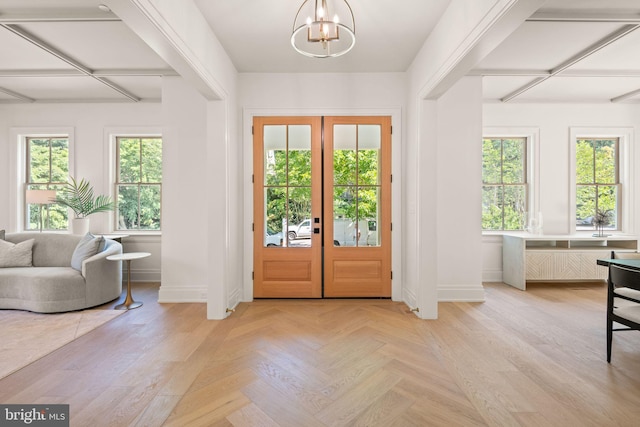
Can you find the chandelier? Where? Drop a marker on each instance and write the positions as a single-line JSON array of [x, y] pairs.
[[320, 31]]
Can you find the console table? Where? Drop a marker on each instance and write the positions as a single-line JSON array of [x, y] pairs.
[[533, 257]]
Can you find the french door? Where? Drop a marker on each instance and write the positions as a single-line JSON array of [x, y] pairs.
[[322, 207]]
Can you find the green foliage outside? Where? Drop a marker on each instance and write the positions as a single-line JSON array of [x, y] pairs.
[[355, 197], [138, 190], [504, 190], [139, 184], [48, 169], [596, 181]]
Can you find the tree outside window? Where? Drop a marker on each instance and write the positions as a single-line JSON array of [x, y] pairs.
[[138, 183], [504, 183], [47, 169], [597, 181]]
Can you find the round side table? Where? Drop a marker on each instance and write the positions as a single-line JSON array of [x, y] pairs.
[[128, 303]]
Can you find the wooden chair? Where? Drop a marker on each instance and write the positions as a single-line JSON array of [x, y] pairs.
[[623, 301]]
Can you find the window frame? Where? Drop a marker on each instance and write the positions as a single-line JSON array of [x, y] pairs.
[[112, 135], [48, 185], [624, 135], [532, 171], [18, 167]]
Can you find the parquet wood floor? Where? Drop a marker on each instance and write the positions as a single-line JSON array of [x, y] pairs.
[[534, 358]]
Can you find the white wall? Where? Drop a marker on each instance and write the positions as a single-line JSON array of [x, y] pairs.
[[90, 124], [554, 121], [323, 94], [200, 105], [458, 199], [184, 193]]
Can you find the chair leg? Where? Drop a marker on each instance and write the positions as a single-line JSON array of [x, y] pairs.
[[609, 338]]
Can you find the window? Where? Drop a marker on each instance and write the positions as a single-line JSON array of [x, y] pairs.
[[597, 182], [138, 183], [504, 183], [47, 168]]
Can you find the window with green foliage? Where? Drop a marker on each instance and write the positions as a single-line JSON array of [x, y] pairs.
[[597, 182], [47, 169], [138, 183], [504, 183]]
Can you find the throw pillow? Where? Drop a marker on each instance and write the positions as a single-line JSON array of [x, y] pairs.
[[16, 255], [1, 234], [86, 248]]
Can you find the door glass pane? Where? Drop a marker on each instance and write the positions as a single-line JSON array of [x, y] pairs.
[[368, 216], [344, 154], [275, 155], [356, 165], [275, 216], [368, 154], [287, 180], [344, 216], [300, 228], [299, 172]]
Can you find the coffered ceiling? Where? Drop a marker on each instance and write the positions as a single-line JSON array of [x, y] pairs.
[[72, 51]]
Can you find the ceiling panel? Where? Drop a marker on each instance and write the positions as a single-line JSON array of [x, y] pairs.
[[19, 54], [623, 54], [494, 88], [256, 34], [57, 88], [147, 87], [545, 45], [103, 45]]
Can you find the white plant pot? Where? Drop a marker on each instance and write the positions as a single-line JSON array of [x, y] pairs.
[[79, 226]]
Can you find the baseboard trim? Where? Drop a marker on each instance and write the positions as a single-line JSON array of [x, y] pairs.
[[168, 294], [142, 275], [461, 293]]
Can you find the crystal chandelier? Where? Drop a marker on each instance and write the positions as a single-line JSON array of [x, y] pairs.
[[322, 31]]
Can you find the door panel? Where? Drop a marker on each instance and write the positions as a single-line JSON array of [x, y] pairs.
[[287, 193], [357, 207]]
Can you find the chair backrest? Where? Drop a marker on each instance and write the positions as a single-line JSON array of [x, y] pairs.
[[625, 255], [620, 276]]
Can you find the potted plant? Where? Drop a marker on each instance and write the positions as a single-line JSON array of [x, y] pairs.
[[79, 197]]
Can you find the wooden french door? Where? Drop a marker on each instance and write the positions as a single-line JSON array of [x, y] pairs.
[[322, 207]]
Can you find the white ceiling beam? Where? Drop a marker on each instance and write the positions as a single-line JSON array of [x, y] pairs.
[[506, 72], [496, 72], [628, 18], [77, 101], [62, 56], [16, 95], [135, 73], [54, 15], [626, 29], [626, 96], [97, 73]]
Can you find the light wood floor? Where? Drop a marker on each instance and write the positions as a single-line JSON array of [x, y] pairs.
[[534, 358]]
